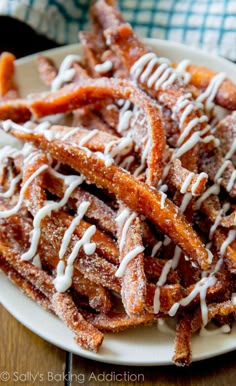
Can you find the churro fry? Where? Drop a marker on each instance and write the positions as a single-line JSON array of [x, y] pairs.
[[222, 309], [25, 285], [153, 268], [201, 78], [178, 175], [131, 269], [141, 198], [8, 88], [86, 334], [16, 109], [115, 322], [225, 243], [63, 306], [75, 96], [98, 211], [229, 221], [47, 69], [182, 350]]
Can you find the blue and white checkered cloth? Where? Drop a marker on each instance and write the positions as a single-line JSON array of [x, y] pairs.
[[207, 24]]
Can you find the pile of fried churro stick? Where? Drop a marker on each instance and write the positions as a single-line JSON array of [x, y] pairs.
[[118, 207]]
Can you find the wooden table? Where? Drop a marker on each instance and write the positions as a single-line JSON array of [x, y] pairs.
[[27, 359]]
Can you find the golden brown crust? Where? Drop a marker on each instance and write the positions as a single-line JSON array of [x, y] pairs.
[[136, 195]]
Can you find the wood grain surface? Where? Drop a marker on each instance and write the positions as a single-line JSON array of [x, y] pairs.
[[219, 371], [23, 355]]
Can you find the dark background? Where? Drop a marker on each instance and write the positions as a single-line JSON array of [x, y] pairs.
[[20, 39]]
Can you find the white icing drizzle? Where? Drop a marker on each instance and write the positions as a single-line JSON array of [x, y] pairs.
[[121, 218], [43, 128], [124, 121], [127, 258], [181, 69], [184, 103], [188, 195], [125, 230], [185, 201], [200, 177], [14, 210], [217, 221], [103, 67], [163, 188], [192, 141], [89, 248], [122, 147], [7, 151], [69, 134], [231, 182], [231, 150], [72, 182], [230, 238], [9, 193], [211, 138], [188, 145], [83, 141], [125, 116], [63, 279], [106, 158], [87, 137], [163, 198], [62, 78], [82, 209], [9, 124], [139, 65], [163, 76], [156, 248], [66, 73], [218, 266], [200, 289], [164, 273], [30, 158], [221, 170], [209, 256], [156, 300], [124, 219], [209, 94], [225, 329], [186, 183], [172, 263], [214, 189], [127, 161], [144, 157]]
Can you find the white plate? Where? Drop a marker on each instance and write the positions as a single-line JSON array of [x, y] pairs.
[[141, 346]]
